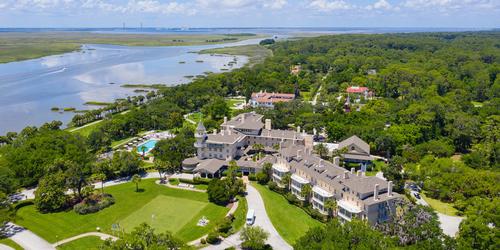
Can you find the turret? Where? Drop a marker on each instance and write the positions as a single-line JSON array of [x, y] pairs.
[[201, 137]]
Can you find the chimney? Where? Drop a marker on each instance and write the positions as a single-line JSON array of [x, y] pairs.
[[222, 132], [298, 153], [336, 161], [215, 131], [321, 163], [375, 192], [346, 174], [242, 118], [352, 171], [358, 173], [389, 188], [298, 129], [225, 119], [268, 124], [228, 132]]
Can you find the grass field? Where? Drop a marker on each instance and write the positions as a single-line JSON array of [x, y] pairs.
[[10, 243], [442, 207], [290, 221], [62, 225], [85, 130], [232, 102], [16, 46], [255, 53], [175, 213], [86, 243]]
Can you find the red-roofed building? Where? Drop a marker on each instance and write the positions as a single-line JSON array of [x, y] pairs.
[[264, 99], [358, 91]]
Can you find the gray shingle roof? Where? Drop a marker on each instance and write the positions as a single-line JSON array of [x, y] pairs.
[[356, 141], [226, 138], [210, 165], [246, 121]]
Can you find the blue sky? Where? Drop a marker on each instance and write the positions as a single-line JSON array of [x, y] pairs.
[[250, 13]]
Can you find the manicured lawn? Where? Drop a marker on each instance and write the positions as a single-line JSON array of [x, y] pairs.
[[442, 207], [10, 243], [85, 130], [240, 214], [233, 102], [306, 95], [164, 213], [90, 243], [290, 221], [61, 225]]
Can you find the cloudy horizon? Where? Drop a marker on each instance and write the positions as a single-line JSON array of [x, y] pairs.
[[250, 13]]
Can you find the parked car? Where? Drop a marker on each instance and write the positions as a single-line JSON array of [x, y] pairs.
[[250, 216], [417, 195]]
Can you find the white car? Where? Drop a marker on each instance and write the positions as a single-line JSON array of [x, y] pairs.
[[250, 217]]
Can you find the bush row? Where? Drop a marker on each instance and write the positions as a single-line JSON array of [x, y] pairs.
[[94, 203]]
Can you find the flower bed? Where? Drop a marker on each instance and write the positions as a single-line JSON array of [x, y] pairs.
[[94, 203]]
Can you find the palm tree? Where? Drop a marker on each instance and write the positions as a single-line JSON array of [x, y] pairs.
[[286, 180], [100, 177], [259, 148], [136, 179], [143, 150], [321, 150], [331, 206], [306, 191]]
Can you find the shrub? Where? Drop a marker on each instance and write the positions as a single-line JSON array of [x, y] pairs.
[[252, 177], [239, 174], [94, 203], [22, 204], [292, 199], [213, 237], [262, 178], [224, 225], [273, 186], [203, 241]]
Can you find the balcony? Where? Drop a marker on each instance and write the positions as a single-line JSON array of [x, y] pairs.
[[347, 210]]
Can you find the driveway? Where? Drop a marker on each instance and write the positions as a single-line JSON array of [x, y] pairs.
[[27, 239], [261, 219], [449, 224], [256, 203]]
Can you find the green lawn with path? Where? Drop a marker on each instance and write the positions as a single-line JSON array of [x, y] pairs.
[[10, 243], [62, 225], [290, 221], [439, 206], [85, 243]]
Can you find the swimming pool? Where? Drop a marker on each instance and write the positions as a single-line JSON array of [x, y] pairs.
[[148, 145]]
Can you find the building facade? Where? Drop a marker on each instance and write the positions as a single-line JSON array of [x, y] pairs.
[[290, 153], [267, 100]]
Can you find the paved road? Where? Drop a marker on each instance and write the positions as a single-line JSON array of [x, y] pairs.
[[261, 219], [5, 247], [256, 203], [449, 224], [28, 240]]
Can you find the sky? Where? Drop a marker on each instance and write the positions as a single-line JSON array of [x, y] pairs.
[[249, 13]]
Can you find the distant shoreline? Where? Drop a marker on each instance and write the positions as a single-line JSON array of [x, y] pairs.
[[20, 46]]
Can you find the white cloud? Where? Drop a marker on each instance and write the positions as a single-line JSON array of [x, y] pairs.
[[226, 4], [380, 5], [444, 5], [275, 4], [326, 5]]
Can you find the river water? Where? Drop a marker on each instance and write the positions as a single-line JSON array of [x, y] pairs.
[[30, 88]]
